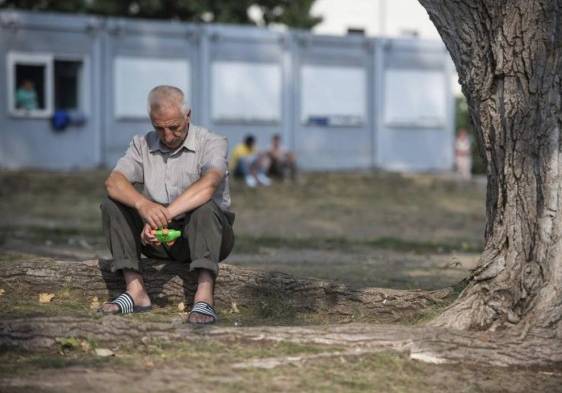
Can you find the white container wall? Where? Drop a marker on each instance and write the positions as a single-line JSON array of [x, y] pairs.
[[339, 102]]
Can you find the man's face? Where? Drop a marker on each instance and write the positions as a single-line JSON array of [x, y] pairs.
[[171, 125]]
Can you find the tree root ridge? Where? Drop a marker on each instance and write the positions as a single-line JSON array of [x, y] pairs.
[[428, 344], [170, 283]]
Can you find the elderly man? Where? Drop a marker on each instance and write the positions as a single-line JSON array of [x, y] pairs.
[[183, 170]]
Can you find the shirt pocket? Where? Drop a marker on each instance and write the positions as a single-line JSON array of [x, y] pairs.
[[182, 172]]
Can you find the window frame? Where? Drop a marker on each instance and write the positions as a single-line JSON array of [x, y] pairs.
[[48, 60], [215, 114], [390, 120], [41, 59], [331, 120], [118, 112], [83, 103]]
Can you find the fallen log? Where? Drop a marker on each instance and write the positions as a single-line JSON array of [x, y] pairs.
[[170, 282]]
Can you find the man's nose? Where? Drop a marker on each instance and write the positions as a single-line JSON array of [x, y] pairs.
[[168, 134]]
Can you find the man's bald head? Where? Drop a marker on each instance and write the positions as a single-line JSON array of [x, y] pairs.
[[166, 98], [169, 115]]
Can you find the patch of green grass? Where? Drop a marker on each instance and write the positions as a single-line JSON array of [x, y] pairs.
[[20, 362], [209, 364], [28, 309], [249, 245], [268, 309], [57, 235], [207, 353], [383, 372], [41, 232], [9, 256], [20, 302], [380, 372]]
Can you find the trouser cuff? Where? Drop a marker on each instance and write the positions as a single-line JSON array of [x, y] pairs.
[[204, 263], [125, 264]]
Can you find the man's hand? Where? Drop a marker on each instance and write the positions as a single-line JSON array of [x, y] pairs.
[[154, 214], [147, 236], [122, 190]]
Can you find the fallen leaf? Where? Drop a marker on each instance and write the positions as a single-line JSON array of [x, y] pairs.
[[181, 306], [46, 297], [85, 345], [104, 352], [95, 304], [2, 291], [234, 308]]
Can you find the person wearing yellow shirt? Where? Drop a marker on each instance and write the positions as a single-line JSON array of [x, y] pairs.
[[245, 162]]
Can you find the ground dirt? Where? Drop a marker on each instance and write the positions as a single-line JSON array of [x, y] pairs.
[[364, 229]]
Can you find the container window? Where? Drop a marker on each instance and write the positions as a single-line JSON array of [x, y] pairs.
[[333, 96], [68, 76]]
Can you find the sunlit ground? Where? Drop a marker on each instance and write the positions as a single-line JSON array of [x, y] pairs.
[[366, 229]]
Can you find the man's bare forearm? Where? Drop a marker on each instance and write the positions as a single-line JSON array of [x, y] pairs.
[[120, 189], [197, 194]]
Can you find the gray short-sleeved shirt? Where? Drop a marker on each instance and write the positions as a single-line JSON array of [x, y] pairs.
[[166, 174]]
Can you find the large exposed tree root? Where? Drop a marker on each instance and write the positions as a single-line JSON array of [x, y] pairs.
[[432, 345], [170, 282]]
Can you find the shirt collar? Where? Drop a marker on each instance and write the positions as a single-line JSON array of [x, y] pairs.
[[189, 143]]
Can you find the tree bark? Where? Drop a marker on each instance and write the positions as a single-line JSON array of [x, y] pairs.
[[170, 282], [508, 57]]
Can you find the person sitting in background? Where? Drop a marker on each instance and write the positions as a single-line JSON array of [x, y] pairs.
[[280, 162], [463, 154], [247, 163], [26, 97]]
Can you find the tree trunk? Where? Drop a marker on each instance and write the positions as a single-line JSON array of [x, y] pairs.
[[170, 282], [508, 57]]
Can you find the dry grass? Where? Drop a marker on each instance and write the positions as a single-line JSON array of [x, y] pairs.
[[367, 229]]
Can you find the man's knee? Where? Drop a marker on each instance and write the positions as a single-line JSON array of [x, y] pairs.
[[106, 204], [110, 207]]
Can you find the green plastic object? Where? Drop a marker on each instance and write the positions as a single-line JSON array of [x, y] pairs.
[[167, 236]]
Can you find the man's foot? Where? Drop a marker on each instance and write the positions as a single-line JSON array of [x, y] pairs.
[[202, 313], [135, 289], [127, 303], [204, 294]]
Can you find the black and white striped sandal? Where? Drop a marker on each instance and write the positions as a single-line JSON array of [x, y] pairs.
[[126, 305], [203, 308]]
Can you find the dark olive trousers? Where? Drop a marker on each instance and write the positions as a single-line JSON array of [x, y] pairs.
[[207, 237]]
